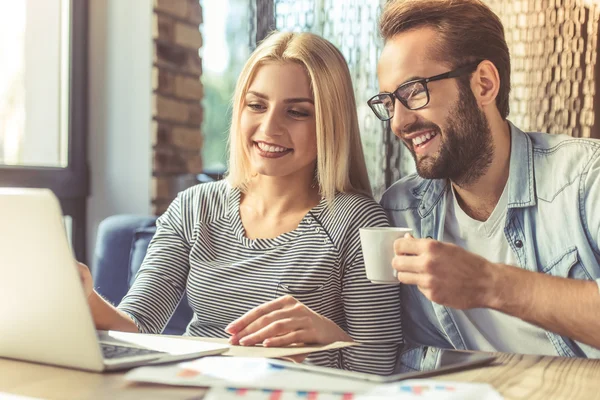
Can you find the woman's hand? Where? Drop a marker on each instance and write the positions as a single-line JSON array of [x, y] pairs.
[[282, 322], [86, 279], [106, 317]]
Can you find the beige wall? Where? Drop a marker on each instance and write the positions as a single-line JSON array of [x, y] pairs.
[[120, 110]]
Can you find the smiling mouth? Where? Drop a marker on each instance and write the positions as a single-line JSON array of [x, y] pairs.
[[422, 140], [271, 151]]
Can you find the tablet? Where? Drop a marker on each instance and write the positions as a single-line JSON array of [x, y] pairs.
[[448, 361]]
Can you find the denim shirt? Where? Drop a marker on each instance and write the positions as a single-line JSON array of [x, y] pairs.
[[552, 225]]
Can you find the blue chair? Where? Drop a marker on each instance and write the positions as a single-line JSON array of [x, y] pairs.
[[121, 246]]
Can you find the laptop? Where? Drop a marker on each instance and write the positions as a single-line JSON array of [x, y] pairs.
[[44, 314]]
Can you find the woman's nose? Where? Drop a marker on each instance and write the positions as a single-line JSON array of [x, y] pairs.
[[271, 125]]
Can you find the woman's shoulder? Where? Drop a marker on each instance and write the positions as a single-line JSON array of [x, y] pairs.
[[357, 208], [208, 189], [209, 199], [355, 201], [351, 211]]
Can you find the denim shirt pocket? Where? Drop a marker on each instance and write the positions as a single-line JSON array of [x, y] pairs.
[[411, 359], [567, 265]]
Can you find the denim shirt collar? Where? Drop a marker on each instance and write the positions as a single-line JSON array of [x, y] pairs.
[[521, 186]]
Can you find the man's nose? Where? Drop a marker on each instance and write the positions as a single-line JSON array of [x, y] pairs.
[[402, 119]]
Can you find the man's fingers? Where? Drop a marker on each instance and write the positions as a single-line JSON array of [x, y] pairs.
[[410, 278], [408, 245], [412, 264]]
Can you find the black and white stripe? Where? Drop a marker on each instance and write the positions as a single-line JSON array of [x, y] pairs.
[[200, 246]]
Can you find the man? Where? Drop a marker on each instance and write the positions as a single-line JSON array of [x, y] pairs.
[[506, 224]]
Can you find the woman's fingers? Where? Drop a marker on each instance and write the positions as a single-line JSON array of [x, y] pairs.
[[239, 324], [86, 278], [299, 336], [265, 321], [284, 327], [282, 322]]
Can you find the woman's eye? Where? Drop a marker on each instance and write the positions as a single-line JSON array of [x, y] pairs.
[[255, 106], [299, 114]]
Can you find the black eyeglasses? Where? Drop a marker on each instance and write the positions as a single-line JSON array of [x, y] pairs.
[[414, 95]]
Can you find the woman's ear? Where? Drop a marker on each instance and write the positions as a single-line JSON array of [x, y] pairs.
[[485, 83]]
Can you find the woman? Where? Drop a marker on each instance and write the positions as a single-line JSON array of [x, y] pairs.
[[271, 255]]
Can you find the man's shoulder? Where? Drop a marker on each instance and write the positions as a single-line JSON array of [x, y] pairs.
[[404, 194], [561, 145], [564, 155], [559, 160]]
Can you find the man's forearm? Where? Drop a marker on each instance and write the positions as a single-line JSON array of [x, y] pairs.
[[568, 307]]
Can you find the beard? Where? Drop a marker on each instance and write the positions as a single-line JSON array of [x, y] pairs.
[[466, 149]]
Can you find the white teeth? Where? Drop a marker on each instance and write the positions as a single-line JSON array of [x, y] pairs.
[[423, 138], [270, 148]]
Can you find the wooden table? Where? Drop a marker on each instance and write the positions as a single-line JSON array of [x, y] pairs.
[[514, 376]]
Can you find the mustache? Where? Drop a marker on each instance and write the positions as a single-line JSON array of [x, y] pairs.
[[420, 126]]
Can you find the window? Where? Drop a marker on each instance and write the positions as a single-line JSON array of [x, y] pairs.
[[34, 49], [232, 27], [43, 93], [225, 31], [351, 25]]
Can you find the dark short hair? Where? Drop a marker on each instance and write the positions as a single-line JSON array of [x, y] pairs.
[[468, 31]]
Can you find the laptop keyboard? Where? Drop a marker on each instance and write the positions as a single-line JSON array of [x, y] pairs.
[[112, 351]]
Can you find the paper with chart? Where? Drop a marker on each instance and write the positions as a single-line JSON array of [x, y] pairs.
[[407, 390], [243, 372], [257, 378]]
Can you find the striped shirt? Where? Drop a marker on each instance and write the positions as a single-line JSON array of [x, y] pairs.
[[200, 248]]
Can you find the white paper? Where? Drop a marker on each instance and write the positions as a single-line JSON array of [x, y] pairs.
[[242, 372]]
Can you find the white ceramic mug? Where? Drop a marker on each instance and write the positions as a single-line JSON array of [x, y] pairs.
[[378, 252]]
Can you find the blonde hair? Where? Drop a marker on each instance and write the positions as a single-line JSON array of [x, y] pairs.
[[340, 159]]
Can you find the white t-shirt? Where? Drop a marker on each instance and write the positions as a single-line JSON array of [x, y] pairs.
[[481, 328]]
